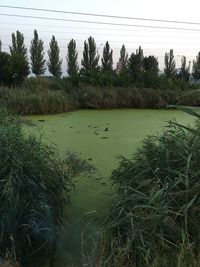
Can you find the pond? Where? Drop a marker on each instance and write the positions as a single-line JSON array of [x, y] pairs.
[[99, 136]]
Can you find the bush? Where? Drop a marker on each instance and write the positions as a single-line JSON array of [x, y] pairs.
[[155, 218], [34, 188]]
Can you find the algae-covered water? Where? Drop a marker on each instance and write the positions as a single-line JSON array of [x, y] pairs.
[[100, 137]]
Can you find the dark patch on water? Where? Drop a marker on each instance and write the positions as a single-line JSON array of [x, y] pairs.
[[27, 122], [41, 120], [76, 166]]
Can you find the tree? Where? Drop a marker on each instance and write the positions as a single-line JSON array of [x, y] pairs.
[[123, 58], [37, 55], [90, 56], [184, 70], [0, 45], [72, 59], [196, 67], [107, 59], [5, 69], [54, 63], [19, 68], [170, 65], [18, 47], [150, 64], [135, 63], [19, 58]]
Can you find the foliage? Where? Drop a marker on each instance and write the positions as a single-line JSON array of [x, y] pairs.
[[170, 65], [18, 46], [184, 70], [19, 58], [5, 69], [155, 217], [19, 68], [72, 61], [196, 67], [107, 59], [54, 63], [90, 57], [34, 188], [13, 69], [123, 58], [150, 64], [37, 55], [135, 64]]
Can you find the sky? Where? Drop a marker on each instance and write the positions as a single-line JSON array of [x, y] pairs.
[[153, 41]]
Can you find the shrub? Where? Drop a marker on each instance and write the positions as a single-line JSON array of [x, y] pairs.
[[34, 188]]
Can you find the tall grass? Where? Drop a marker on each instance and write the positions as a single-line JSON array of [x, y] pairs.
[[46, 96], [155, 219], [131, 97], [36, 96], [34, 188]]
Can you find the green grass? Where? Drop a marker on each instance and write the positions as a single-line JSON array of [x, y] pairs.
[[34, 188], [127, 129]]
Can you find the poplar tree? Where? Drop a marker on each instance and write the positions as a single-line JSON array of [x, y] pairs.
[[123, 58], [54, 63], [184, 69], [170, 65], [196, 67], [37, 55], [19, 58], [72, 59], [90, 56], [107, 59], [18, 47]]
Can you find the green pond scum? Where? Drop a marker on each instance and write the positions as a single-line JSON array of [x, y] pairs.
[[99, 137]]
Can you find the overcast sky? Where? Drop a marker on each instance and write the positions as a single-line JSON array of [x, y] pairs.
[[153, 41]]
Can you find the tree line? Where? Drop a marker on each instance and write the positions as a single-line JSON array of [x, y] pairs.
[[15, 67]]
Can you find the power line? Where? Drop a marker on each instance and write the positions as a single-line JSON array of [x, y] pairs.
[[94, 33], [101, 15], [102, 23], [88, 28]]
